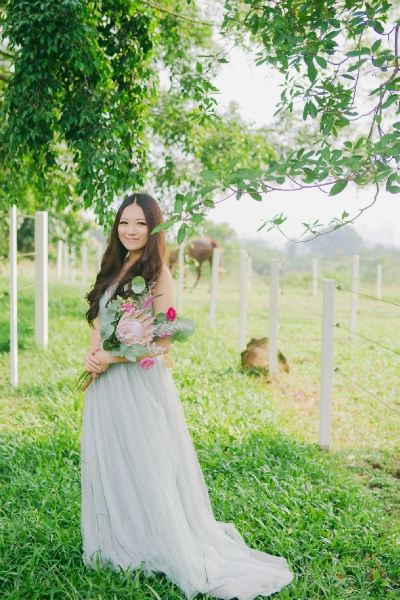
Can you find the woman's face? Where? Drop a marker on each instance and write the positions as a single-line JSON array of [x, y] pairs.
[[133, 231]]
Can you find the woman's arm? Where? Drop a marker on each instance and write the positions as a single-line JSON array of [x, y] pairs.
[[165, 287], [90, 360]]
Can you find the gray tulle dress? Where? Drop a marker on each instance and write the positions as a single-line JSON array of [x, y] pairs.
[[144, 498]]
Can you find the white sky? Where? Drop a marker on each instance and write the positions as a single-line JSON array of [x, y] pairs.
[[256, 90]]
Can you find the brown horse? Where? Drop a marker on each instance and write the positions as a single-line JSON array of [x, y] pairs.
[[199, 250]]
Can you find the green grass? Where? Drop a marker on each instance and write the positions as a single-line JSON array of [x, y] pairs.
[[335, 516]]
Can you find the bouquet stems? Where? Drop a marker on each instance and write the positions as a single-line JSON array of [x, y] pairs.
[[83, 381]]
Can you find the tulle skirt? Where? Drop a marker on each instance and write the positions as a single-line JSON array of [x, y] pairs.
[[144, 498]]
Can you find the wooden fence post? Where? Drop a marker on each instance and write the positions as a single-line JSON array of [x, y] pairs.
[[84, 265], [379, 282], [315, 277], [214, 286], [41, 272], [249, 273], [243, 282], [181, 278], [326, 363], [66, 261], [59, 258], [13, 298], [354, 296], [273, 319], [73, 264]]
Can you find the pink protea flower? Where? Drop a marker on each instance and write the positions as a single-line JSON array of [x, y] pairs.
[[148, 302], [135, 327], [127, 307], [147, 363], [171, 314]]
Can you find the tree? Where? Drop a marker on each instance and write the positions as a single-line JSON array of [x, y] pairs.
[[79, 80], [331, 53]]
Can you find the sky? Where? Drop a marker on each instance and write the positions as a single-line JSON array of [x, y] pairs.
[[256, 90]]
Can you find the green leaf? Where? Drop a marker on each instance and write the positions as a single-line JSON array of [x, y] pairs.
[[160, 318], [312, 72], [209, 203], [376, 45], [321, 61], [208, 175], [197, 218], [178, 204], [338, 187], [232, 163], [345, 215], [206, 190], [138, 284], [391, 100], [199, 68], [163, 226], [106, 330], [256, 196], [182, 233]]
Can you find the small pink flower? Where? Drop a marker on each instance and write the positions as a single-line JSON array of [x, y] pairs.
[[127, 307], [164, 335], [147, 363], [148, 302], [171, 314]]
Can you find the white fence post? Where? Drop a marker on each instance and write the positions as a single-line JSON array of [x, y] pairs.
[[73, 264], [249, 273], [379, 282], [66, 262], [100, 250], [315, 277], [273, 319], [214, 286], [84, 265], [41, 272], [181, 277], [59, 258], [354, 296], [326, 363], [13, 298], [242, 299]]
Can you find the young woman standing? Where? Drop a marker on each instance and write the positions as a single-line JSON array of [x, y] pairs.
[[144, 498]]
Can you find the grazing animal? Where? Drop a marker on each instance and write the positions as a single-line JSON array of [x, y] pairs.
[[199, 250]]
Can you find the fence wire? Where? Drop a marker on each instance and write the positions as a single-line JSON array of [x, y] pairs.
[[337, 370], [339, 326], [340, 288], [302, 305]]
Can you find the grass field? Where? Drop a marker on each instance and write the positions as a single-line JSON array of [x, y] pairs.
[[334, 515]]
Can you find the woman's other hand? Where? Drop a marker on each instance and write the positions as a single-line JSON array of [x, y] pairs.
[[105, 359]]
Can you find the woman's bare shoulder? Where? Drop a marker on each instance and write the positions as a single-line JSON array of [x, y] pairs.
[[164, 280], [165, 275]]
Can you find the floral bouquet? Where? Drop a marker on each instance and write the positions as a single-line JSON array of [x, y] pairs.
[[129, 328]]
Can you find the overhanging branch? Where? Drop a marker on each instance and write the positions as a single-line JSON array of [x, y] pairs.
[[174, 14]]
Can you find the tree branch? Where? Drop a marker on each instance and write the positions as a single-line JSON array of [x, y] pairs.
[[6, 54], [174, 14]]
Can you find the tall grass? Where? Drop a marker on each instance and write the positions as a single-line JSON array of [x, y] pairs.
[[335, 516]]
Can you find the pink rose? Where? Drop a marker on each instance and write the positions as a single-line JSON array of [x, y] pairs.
[[126, 307], [147, 363], [171, 314]]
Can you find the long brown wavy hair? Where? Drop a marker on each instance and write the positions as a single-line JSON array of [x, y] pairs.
[[149, 265]]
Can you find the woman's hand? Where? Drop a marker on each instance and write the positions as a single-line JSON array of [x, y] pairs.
[[91, 362], [105, 359]]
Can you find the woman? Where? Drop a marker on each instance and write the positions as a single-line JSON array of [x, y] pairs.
[[144, 498]]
